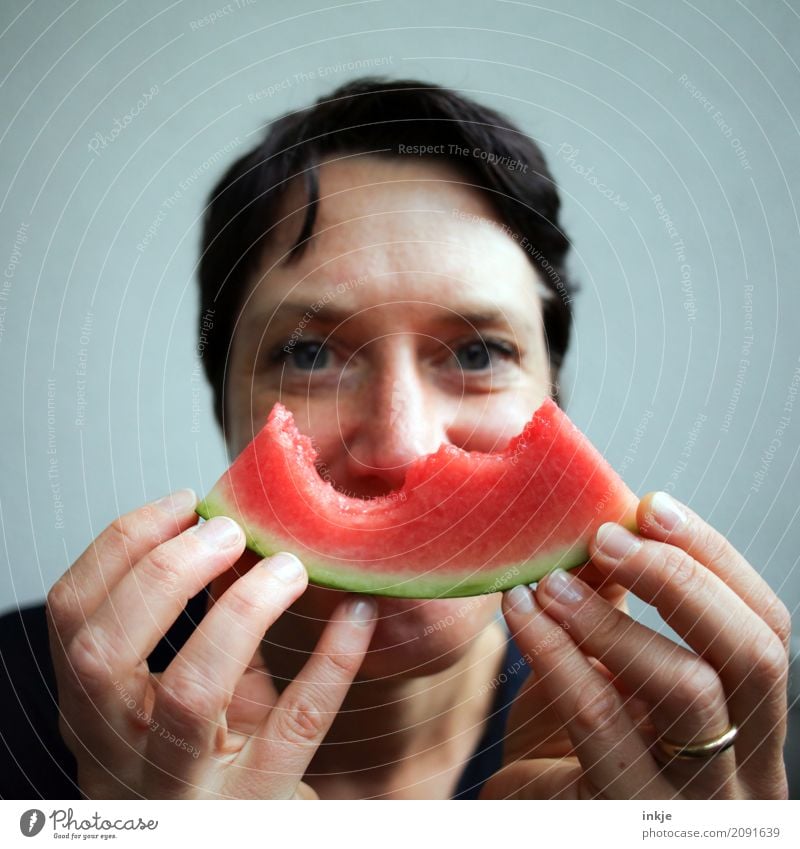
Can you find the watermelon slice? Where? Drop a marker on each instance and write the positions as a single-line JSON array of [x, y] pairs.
[[463, 523]]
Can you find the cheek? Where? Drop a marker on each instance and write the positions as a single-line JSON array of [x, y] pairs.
[[246, 409], [488, 423], [248, 404]]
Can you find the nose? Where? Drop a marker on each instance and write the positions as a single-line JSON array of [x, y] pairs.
[[399, 422]]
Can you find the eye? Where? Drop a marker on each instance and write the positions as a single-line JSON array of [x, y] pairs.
[[304, 356], [480, 354]]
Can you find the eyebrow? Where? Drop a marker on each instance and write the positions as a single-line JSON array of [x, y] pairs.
[[332, 314], [324, 313]]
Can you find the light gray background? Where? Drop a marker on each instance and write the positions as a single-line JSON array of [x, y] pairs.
[[697, 103]]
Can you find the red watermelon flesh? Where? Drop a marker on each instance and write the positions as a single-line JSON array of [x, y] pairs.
[[463, 523]]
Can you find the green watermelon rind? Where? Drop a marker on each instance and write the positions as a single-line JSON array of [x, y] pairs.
[[428, 585]]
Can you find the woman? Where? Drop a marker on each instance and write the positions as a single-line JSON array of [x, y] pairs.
[[389, 264]]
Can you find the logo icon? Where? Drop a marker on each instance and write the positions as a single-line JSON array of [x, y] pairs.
[[31, 822]]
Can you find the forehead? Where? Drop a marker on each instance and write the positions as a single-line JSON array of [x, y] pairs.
[[391, 231]]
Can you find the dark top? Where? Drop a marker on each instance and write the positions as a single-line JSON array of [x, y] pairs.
[[36, 764]]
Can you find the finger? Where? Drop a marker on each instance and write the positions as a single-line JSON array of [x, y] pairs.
[[87, 583], [544, 778], [685, 693], [126, 628], [197, 687], [615, 758], [254, 696], [304, 792], [662, 518], [535, 730], [103, 680], [280, 753], [78, 593], [599, 582], [718, 625]]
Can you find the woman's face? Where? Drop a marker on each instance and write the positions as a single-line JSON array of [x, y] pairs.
[[412, 319]]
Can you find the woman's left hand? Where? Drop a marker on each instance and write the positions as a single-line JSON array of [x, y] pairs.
[[604, 687]]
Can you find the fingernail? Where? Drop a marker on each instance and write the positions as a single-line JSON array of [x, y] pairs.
[[285, 566], [666, 512], [177, 502], [362, 610], [615, 541], [219, 530], [520, 599], [563, 587]]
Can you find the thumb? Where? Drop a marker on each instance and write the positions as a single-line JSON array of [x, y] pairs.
[[303, 791]]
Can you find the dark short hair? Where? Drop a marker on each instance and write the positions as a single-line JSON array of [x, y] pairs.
[[387, 117]]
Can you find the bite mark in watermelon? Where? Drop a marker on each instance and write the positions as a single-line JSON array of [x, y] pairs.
[[463, 523]]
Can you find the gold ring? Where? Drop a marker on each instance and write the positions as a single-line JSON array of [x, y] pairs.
[[704, 749]]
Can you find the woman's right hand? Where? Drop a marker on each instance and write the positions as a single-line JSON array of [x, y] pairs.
[[212, 725]]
